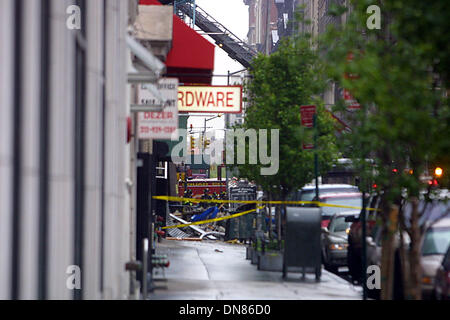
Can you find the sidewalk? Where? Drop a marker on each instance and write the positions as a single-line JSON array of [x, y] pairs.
[[215, 270]]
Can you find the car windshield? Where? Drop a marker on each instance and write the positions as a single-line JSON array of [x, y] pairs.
[[342, 201], [339, 224], [436, 241]]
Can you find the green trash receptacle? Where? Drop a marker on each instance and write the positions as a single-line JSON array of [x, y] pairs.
[[302, 240]]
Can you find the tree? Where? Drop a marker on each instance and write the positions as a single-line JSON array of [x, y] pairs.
[[395, 75], [281, 83]]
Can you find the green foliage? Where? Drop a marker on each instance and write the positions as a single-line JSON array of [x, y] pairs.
[[403, 122], [281, 83]]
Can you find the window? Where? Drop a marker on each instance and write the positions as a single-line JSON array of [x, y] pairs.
[[339, 224], [436, 241]]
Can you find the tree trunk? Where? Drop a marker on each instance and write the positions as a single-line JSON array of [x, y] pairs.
[[414, 286], [404, 261], [387, 252]]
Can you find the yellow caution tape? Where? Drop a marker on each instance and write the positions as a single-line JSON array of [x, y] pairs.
[[318, 203]]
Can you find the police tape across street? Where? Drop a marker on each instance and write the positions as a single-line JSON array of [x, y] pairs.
[[259, 202]]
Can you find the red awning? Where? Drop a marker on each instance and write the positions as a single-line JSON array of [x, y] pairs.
[[191, 58]]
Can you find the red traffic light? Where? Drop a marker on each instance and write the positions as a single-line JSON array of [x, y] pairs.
[[433, 182]]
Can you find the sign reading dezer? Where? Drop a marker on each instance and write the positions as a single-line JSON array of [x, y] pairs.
[[210, 99]]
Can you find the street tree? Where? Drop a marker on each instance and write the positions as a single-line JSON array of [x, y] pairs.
[[398, 74], [280, 83]]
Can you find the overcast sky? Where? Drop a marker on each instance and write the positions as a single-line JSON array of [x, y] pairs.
[[233, 14]]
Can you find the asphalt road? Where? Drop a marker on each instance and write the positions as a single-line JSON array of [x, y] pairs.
[[216, 270]]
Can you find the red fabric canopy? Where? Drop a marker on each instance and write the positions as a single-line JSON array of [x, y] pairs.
[[191, 58]]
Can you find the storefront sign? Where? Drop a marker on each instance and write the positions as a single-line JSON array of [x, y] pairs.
[[159, 125], [307, 115], [210, 99]]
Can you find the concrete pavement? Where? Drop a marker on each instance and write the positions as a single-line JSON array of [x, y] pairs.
[[216, 270]]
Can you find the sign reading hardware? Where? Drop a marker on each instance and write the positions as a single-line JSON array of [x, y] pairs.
[[210, 99]]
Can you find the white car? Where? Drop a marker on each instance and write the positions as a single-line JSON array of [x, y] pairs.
[[434, 247]]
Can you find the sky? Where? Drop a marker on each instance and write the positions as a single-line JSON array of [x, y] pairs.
[[233, 14]]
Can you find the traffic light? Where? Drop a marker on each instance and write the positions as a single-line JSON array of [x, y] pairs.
[[206, 143], [436, 181], [192, 144]]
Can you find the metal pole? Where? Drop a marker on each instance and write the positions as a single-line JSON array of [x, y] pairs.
[[316, 161], [224, 160], [185, 177], [193, 14], [203, 140], [268, 44], [363, 253], [363, 218], [144, 268]]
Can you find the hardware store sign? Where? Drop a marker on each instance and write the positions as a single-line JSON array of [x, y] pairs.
[[210, 99]]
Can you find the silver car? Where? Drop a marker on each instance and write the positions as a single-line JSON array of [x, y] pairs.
[[335, 240], [434, 247]]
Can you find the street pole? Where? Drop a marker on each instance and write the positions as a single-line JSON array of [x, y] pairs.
[[225, 160], [363, 219], [203, 138], [185, 177], [363, 253], [316, 161]]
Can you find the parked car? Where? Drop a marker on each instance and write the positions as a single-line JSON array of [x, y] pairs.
[[434, 248], [374, 244], [352, 199], [436, 241], [442, 280], [354, 251], [308, 193], [334, 240]]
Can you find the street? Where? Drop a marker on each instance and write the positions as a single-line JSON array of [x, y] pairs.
[[210, 270]]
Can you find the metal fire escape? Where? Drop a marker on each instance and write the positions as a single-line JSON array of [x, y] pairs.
[[224, 38]]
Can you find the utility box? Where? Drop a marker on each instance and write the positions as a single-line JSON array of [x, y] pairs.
[[241, 227], [302, 242]]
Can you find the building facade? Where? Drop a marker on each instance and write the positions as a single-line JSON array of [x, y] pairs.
[[284, 23], [64, 217]]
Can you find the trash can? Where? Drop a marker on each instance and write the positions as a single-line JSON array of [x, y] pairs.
[[302, 241]]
